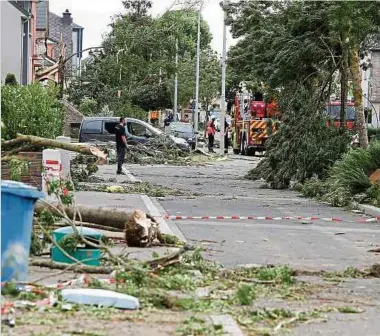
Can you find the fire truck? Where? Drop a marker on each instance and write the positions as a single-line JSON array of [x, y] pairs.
[[254, 121]]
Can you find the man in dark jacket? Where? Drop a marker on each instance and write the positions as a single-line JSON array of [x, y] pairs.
[[121, 144]]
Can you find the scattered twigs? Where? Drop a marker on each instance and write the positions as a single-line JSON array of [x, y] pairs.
[[74, 267], [257, 281], [170, 259], [286, 323], [68, 268]]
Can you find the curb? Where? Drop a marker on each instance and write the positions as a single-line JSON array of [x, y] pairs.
[[230, 327], [369, 210], [130, 176], [156, 211]]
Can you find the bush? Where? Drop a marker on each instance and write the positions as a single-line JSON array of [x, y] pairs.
[[373, 133], [10, 79], [348, 179], [32, 110]]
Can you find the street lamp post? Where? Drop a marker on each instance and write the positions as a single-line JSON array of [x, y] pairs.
[[197, 74], [176, 79], [223, 93]]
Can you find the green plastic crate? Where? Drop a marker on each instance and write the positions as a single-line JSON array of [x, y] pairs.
[[80, 254]]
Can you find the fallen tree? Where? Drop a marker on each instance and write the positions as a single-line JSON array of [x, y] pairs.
[[43, 142]]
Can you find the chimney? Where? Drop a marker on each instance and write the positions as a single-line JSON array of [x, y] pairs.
[[67, 19]]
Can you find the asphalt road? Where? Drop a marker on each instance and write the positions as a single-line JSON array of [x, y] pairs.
[[221, 190]]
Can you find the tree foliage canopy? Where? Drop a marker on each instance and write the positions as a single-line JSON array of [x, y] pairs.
[[137, 66]]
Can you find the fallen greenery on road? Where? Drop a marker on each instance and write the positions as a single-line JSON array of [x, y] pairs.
[[204, 287], [146, 188]]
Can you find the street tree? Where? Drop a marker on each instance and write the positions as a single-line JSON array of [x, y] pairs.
[[138, 65], [296, 48]]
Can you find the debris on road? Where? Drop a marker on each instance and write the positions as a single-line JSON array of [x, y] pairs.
[[100, 297]]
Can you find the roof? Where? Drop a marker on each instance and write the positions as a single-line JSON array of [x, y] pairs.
[[77, 26], [55, 26]]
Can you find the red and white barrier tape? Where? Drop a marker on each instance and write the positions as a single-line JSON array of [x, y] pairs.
[[332, 219]]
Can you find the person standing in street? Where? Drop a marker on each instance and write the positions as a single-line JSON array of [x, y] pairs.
[[226, 136], [121, 144], [211, 134]]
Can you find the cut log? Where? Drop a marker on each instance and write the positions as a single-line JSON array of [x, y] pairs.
[[102, 216], [82, 149], [141, 230]]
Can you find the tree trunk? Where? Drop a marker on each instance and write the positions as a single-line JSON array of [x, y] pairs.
[[358, 95], [10, 143], [343, 83], [140, 229], [102, 216], [43, 142]]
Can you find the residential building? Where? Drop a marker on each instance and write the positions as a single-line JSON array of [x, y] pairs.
[[374, 85], [17, 39], [57, 37]]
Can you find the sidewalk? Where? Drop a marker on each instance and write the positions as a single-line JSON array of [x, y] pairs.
[[119, 202]]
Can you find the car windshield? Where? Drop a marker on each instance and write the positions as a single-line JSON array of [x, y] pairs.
[[181, 128], [151, 128], [334, 112]]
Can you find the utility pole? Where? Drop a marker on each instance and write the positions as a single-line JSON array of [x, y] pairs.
[[197, 74], [176, 80], [223, 93]]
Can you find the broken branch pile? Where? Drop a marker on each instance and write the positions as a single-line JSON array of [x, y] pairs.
[[158, 150]]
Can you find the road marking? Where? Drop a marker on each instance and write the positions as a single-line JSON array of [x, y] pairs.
[[229, 325], [130, 176]]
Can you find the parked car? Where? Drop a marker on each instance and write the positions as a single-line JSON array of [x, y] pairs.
[[102, 129], [184, 131]]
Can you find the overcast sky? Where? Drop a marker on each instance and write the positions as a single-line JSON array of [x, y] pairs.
[[95, 15]]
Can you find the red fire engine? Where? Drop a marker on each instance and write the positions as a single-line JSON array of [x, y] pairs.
[[254, 121]]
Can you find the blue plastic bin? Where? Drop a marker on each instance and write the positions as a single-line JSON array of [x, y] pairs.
[[17, 205]]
